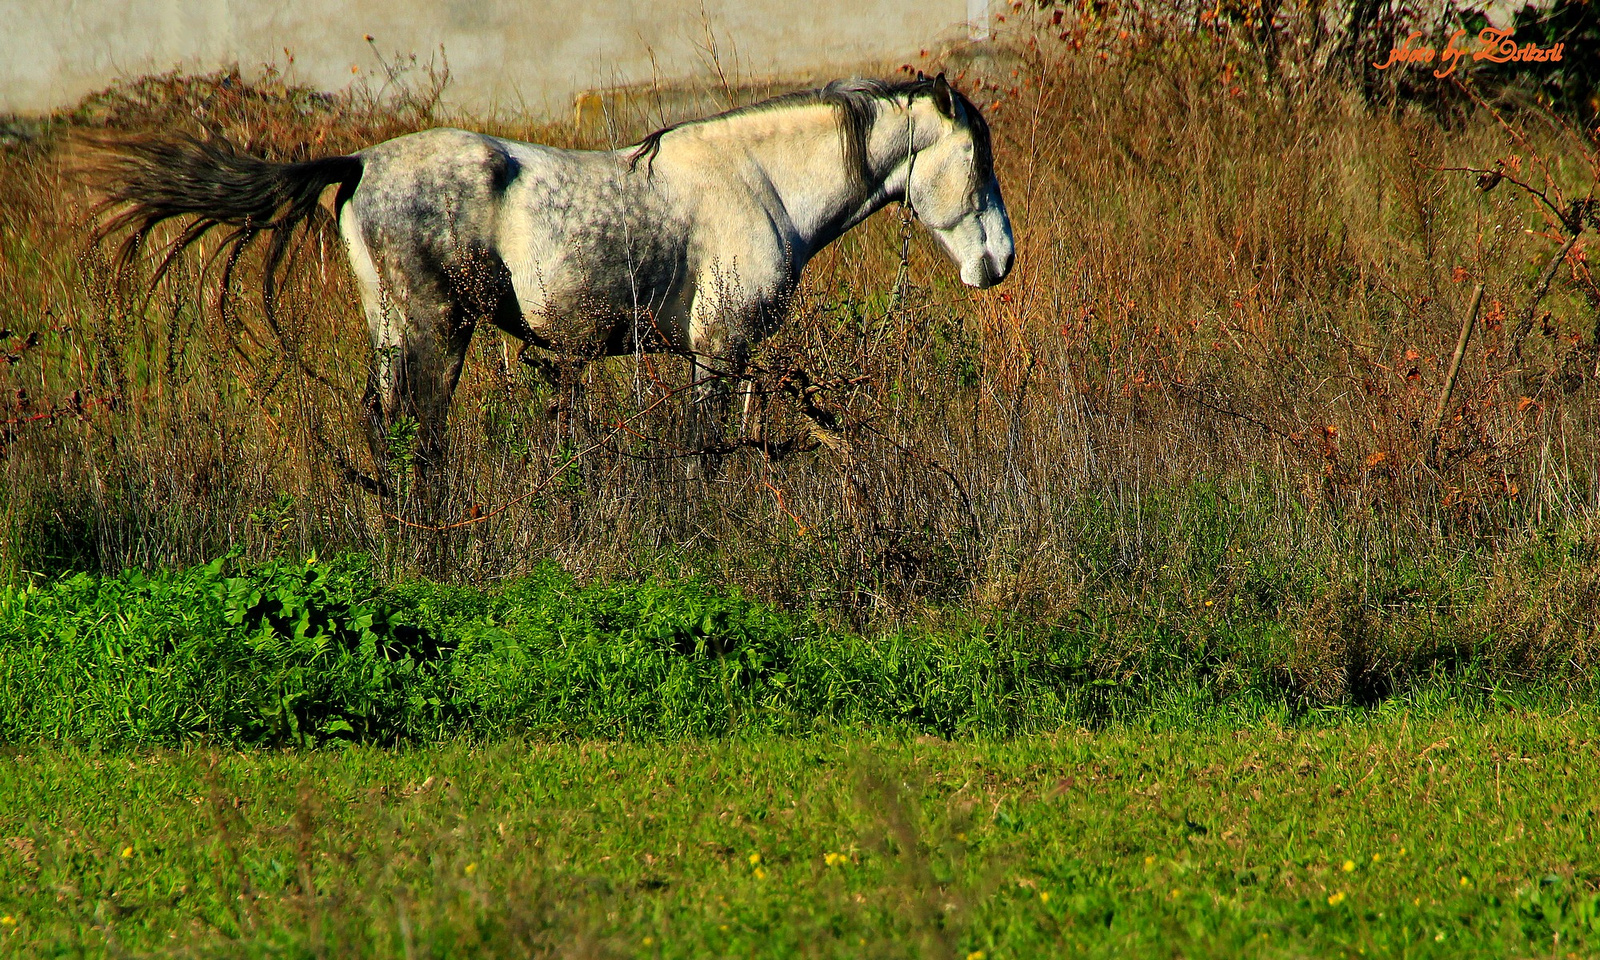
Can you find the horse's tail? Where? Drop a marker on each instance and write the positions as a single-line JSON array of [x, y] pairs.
[[150, 179]]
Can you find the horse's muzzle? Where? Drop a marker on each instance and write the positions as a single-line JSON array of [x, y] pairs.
[[990, 272]]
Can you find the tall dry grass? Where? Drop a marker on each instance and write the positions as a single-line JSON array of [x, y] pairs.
[[1238, 288]]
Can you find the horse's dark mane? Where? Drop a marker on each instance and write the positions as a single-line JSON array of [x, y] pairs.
[[853, 99]]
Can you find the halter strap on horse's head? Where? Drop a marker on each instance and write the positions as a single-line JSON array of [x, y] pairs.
[[944, 100], [911, 164]]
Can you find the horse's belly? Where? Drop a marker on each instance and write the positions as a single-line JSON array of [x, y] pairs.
[[581, 313]]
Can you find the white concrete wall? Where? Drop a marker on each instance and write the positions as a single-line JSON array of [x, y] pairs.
[[531, 55]]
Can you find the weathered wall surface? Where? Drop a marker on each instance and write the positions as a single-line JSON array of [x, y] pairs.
[[523, 55]]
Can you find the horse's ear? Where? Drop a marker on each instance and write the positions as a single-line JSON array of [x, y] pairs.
[[943, 97]]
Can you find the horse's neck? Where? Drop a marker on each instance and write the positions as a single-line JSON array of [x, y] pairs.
[[890, 144], [801, 157]]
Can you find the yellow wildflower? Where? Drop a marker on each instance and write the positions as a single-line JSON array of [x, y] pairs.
[[761, 874], [755, 858], [1044, 896], [470, 869], [1349, 865], [975, 955], [8, 920], [834, 859], [1336, 899], [127, 852]]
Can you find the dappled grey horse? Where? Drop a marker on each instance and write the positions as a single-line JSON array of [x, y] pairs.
[[691, 242]]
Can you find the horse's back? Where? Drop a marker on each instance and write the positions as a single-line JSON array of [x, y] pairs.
[[461, 181]]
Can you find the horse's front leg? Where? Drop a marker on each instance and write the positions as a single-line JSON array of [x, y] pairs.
[[708, 413], [753, 413], [714, 378], [729, 313]]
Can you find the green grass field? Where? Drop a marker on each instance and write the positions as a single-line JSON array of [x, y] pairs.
[[1403, 833]]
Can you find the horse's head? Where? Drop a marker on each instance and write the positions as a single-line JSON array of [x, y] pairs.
[[953, 189]]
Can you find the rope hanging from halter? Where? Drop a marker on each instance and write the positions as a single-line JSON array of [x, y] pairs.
[[907, 212]]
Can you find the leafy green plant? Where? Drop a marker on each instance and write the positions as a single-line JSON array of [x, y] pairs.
[[284, 652], [313, 651]]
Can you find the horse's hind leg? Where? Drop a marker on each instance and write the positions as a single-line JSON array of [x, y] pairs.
[[417, 359], [381, 402], [419, 341]]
